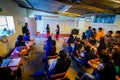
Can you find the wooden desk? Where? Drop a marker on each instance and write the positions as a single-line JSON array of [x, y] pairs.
[[94, 63], [13, 63]]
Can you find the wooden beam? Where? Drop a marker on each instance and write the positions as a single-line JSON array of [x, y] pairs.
[[87, 7]]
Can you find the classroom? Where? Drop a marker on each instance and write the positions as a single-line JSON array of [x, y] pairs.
[[59, 39]]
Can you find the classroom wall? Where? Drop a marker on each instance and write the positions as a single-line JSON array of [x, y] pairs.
[[65, 23], [10, 8]]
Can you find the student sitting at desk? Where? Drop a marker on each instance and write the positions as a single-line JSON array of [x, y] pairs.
[[103, 66], [6, 72], [20, 42], [59, 65], [26, 36]]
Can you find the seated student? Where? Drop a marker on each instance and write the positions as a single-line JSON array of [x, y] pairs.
[[105, 68], [6, 73], [26, 36], [50, 45], [77, 47], [116, 60], [101, 44], [59, 65], [20, 42]]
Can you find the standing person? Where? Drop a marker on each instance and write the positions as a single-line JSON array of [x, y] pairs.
[[57, 32], [88, 33], [48, 30], [25, 29], [100, 34]]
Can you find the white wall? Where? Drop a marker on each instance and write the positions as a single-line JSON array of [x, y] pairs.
[[10, 8], [65, 23]]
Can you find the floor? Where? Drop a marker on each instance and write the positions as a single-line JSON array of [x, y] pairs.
[[35, 63]]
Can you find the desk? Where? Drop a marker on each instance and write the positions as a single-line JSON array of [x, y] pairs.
[[94, 63], [13, 63]]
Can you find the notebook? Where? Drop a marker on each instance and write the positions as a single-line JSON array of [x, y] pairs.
[[14, 62], [5, 62]]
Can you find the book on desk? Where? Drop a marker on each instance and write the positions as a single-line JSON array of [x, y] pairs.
[[10, 62]]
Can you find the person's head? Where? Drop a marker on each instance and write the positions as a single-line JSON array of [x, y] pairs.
[[100, 29], [26, 24], [104, 55], [20, 38], [117, 33], [109, 33], [62, 54], [47, 25], [89, 27], [93, 29], [83, 33], [57, 26], [116, 57]]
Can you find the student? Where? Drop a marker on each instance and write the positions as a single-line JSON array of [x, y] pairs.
[[108, 40], [59, 65], [57, 32], [116, 60], [6, 73], [26, 37], [101, 44], [88, 33], [106, 68], [25, 29], [116, 38], [100, 34], [48, 30], [83, 36], [20, 42]]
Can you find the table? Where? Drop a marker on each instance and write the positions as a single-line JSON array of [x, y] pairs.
[[13, 63]]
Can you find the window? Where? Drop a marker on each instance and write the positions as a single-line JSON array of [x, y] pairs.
[[7, 26]]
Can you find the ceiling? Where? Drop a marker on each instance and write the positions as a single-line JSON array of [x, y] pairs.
[[74, 8]]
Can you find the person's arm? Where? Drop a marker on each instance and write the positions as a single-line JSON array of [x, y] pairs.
[[27, 46]]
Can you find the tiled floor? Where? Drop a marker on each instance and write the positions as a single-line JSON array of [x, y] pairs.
[[36, 64]]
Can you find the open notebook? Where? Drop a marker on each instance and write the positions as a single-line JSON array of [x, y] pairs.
[[14, 62], [5, 62]]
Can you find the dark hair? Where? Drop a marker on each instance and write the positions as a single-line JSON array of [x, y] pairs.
[[53, 43], [62, 54], [116, 57], [89, 27], [118, 32], [58, 26], [100, 29], [110, 32], [94, 29], [47, 25], [20, 38]]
